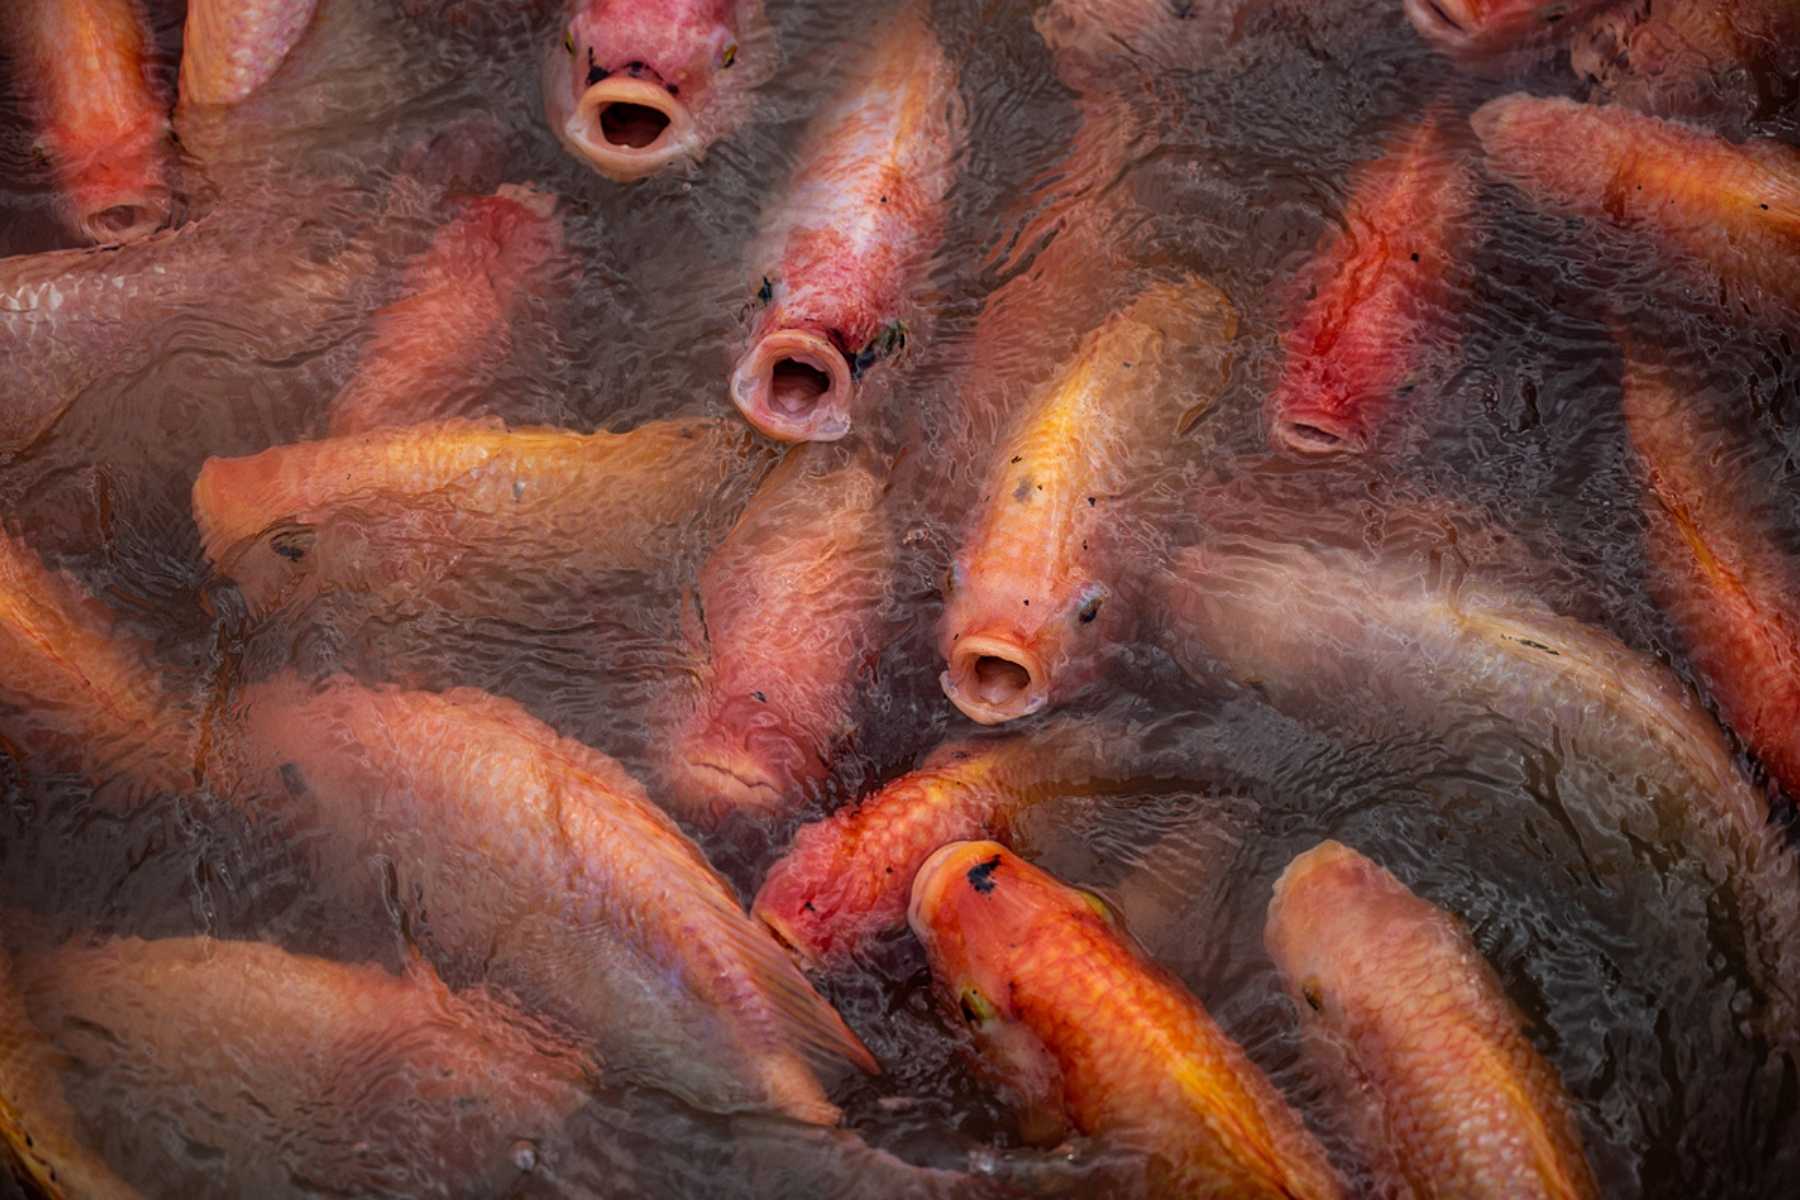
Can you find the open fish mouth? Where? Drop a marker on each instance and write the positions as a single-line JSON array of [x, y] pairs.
[[629, 128], [994, 679], [794, 385]]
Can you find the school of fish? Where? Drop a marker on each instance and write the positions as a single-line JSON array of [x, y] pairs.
[[885, 631]]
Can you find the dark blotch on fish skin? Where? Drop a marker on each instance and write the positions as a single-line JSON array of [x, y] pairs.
[[1023, 490], [766, 292], [759, 697], [292, 779], [981, 875]]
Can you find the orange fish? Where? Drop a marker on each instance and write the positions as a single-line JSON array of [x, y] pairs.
[[387, 509], [451, 323], [843, 249], [1733, 594], [511, 844], [1727, 210], [1469, 1107], [235, 1068], [230, 48], [1077, 1021], [100, 122], [845, 879], [1032, 595], [76, 685], [1379, 288], [786, 622], [633, 86]]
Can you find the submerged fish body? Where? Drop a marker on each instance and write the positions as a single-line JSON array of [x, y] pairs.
[[1730, 211], [844, 881], [381, 510], [452, 319], [276, 1073], [1466, 1104], [1484, 29], [1033, 597], [632, 87], [845, 246], [72, 319], [787, 617], [85, 65], [541, 866], [1076, 1019], [1403, 636], [1378, 292], [231, 48], [1732, 593], [1707, 59], [77, 688]]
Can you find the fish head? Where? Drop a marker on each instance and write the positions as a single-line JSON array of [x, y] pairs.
[[1478, 27], [1016, 646], [977, 908], [627, 83], [742, 752], [1334, 913]]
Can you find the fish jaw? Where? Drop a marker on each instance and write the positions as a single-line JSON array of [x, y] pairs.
[[1478, 28], [795, 385], [627, 86], [739, 755], [996, 676], [1015, 646]]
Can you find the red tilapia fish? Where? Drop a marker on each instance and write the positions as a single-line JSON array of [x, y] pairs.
[[845, 879], [1703, 58], [230, 48], [100, 122], [1078, 1023], [452, 320], [384, 510], [786, 623], [843, 249], [1426, 630], [634, 85], [519, 844], [1454, 1089], [80, 688], [1732, 208], [267, 1069], [1475, 29], [1031, 595], [1733, 594], [1379, 291]]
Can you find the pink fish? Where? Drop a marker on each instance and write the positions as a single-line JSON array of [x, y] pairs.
[[452, 320], [846, 245], [786, 622], [1379, 286], [102, 125], [634, 85]]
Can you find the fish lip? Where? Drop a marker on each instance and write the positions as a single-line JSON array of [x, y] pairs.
[[713, 787], [1435, 24], [129, 216], [1315, 433], [962, 679], [798, 947], [582, 132], [932, 877], [824, 419]]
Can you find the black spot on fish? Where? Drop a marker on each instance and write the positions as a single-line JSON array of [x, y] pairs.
[[1018, 458], [759, 697], [292, 779], [1023, 490], [981, 875], [808, 907], [596, 72], [1539, 646], [766, 292], [1090, 502], [1415, 256]]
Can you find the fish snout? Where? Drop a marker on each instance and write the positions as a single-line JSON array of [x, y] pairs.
[[121, 209], [794, 385], [995, 677], [939, 879], [1446, 23], [629, 126], [1316, 433]]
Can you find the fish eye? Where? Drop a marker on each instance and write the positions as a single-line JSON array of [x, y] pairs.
[[730, 56], [1089, 602], [1099, 907], [975, 1007], [569, 40], [1313, 995]]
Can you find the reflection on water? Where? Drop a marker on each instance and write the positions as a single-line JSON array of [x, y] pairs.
[[1224, 150]]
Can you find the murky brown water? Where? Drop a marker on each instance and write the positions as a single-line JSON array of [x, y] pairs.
[[1631, 994]]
